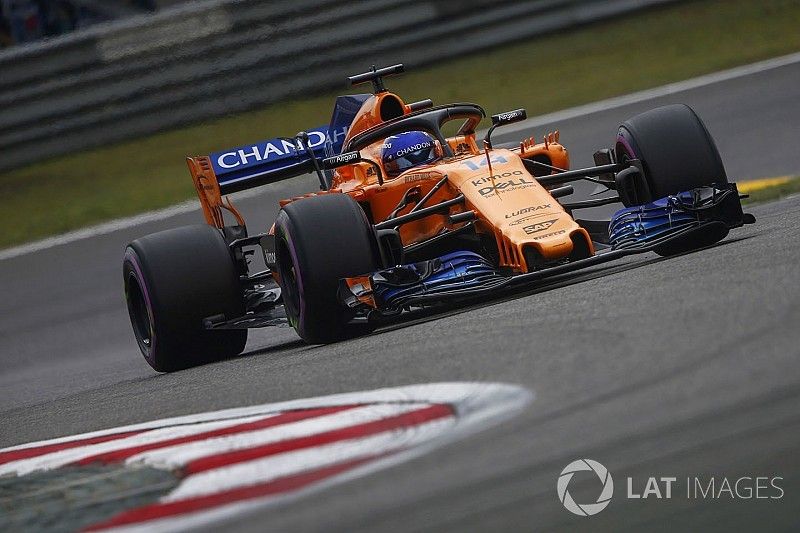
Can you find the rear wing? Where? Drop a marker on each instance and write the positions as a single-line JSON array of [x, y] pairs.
[[270, 161], [245, 167]]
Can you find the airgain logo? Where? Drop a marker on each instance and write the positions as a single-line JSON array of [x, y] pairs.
[[585, 509]]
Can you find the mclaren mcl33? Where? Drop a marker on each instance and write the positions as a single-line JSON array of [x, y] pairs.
[[413, 210]]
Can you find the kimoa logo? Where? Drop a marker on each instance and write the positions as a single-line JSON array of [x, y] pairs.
[[585, 509]]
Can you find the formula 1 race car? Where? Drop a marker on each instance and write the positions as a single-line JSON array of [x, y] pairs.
[[409, 216]]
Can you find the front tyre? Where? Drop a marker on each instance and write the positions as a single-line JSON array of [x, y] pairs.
[[320, 240], [173, 280], [676, 150], [677, 154]]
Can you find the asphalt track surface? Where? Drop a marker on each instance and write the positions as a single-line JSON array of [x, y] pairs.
[[655, 367]]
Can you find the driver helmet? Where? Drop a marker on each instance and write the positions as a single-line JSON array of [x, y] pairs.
[[407, 150]]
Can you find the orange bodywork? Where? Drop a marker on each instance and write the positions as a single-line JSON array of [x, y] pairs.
[[511, 207]]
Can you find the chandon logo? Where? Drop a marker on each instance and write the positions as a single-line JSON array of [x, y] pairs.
[[585, 509]]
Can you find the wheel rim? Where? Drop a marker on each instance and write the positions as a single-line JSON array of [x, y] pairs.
[[289, 288], [139, 311]]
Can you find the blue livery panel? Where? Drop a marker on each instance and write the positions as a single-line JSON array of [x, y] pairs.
[[272, 160]]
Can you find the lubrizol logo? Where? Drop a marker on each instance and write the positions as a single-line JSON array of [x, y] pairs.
[[585, 509]]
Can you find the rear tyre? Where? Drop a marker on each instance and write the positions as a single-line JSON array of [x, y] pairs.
[[173, 280], [677, 151], [320, 240], [677, 154]]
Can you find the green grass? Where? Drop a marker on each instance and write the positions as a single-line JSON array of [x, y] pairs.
[[774, 192], [545, 74]]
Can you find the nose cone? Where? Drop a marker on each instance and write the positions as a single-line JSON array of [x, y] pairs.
[[526, 221]]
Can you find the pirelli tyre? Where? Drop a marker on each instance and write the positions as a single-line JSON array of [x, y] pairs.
[[318, 241], [676, 150], [677, 154], [173, 280]]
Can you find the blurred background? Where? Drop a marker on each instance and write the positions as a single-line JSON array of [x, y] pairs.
[[100, 100], [26, 21]]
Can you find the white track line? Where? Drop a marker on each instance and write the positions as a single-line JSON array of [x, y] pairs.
[[657, 92], [588, 109], [113, 225], [100, 229]]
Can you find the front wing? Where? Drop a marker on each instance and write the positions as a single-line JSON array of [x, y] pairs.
[[671, 225]]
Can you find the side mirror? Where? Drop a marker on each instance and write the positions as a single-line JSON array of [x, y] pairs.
[[501, 119], [509, 117], [336, 161]]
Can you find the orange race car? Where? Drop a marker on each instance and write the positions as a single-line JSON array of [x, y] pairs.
[[413, 210]]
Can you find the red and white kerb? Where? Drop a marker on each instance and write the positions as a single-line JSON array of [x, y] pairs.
[[232, 460]]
